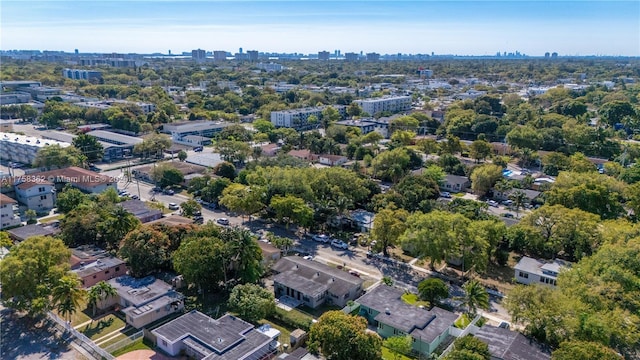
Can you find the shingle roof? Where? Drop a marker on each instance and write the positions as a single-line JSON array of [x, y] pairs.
[[312, 277], [25, 232], [420, 323]]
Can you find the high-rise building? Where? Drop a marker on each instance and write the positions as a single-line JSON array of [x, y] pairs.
[[219, 55], [240, 50], [392, 104], [373, 56], [199, 55], [323, 55], [253, 55], [77, 74]]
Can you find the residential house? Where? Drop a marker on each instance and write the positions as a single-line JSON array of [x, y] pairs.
[[22, 233], [505, 344], [313, 284], [93, 265], [173, 220], [533, 271], [270, 253], [8, 215], [384, 309], [87, 181], [455, 183], [504, 195], [37, 193], [198, 336], [362, 220], [141, 211], [332, 160], [270, 149], [145, 300], [364, 125], [301, 154]]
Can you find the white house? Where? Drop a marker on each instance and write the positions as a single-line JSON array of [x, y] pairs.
[[8, 216], [393, 104], [533, 271], [227, 338], [38, 195]]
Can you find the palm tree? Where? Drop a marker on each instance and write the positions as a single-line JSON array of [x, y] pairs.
[[244, 254], [119, 223], [519, 198], [100, 292], [475, 296], [67, 295]]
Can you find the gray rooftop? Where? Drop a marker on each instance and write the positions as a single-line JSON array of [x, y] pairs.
[[24, 232], [313, 278], [196, 126], [505, 344], [119, 138], [226, 338], [417, 322], [139, 209], [539, 267], [140, 291], [97, 266], [456, 179]]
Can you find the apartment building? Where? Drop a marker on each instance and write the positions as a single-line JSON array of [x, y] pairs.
[[8, 215], [392, 104], [23, 149], [37, 194], [299, 118], [79, 74], [93, 265]]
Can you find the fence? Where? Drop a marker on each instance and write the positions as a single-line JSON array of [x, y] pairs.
[[80, 339], [124, 342], [458, 333]]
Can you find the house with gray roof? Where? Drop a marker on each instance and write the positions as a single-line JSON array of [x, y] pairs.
[[455, 183], [533, 271], [384, 308], [505, 344], [313, 284], [198, 336], [141, 211]]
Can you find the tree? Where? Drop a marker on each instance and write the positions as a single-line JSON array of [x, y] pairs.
[[202, 261], [154, 145], [81, 225], [182, 155], [190, 207], [263, 126], [555, 162], [70, 198], [405, 123], [524, 137], [399, 345], [117, 223], [339, 336], [484, 177], [5, 240], [67, 295], [145, 251], [432, 290], [579, 163], [584, 350], [244, 254], [519, 198], [614, 112], [166, 174], [633, 198], [388, 225], [480, 150], [233, 151], [89, 146], [391, 165], [225, 169], [329, 116], [30, 271], [252, 302], [469, 348], [99, 293], [32, 216], [282, 243], [475, 296], [243, 199], [290, 208], [51, 156]]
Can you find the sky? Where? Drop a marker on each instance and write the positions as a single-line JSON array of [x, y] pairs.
[[477, 27]]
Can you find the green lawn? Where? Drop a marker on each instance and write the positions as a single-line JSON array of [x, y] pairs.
[[389, 355], [102, 327], [140, 344], [412, 299], [317, 312], [463, 322], [52, 218], [78, 317], [128, 331], [284, 332]]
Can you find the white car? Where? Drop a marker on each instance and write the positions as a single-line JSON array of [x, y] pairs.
[[173, 206], [321, 238], [223, 221], [493, 203], [308, 257], [339, 244]]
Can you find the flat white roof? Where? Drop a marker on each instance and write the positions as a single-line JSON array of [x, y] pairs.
[[30, 140]]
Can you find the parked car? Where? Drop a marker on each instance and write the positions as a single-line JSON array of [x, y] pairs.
[[493, 203], [223, 221], [508, 215], [504, 325], [354, 273], [308, 257], [173, 206], [169, 192], [446, 194], [135, 197], [320, 238], [507, 202], [198, 149], [198, 219], [339, 244], [156, 189]]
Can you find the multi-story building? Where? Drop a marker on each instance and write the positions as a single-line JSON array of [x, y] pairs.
[[199, 55], [180, 131], [392, 104], [270, 67], [227, 338], [125, 142], [79, 74], [253, 55], [323, 55], [533, 271], [93, 265], [14, 98], [351, 57], [84, 180], [299, 118], [8, 215], [23, 149], [219, 55], [373, 57], [107, 104], [37, 193]]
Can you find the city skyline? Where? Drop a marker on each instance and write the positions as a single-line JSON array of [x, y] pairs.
[[420, 27]]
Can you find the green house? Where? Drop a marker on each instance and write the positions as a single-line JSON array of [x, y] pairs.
[[384, 309]]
